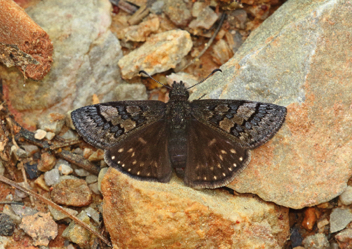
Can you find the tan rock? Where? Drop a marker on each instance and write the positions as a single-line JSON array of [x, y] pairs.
[[141, 214], [141, 31], [47, 162]]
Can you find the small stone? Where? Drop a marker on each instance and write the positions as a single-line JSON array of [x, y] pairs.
[[2, 168], [53, 122], [321, 224], [97, 156], [346, 196], [8, 210], [76, 233], [47, 162], [221, 52], [93, 214], [157, 7], [101, 175], [72, 192], [30, 149], [316, 241], [197, 8], [344, 239], [130, 92], [82, 172], [140, 32], [70, 135], [339, 219], [7, 226], [91, 179], [19, 194], [164, 51], [5, 242], [309, 218], [50, 135], [41, 183], [187, 79], [41, 227], [177, 11], [68, 120], [64, 167], [40, 134], [205, 19], [57, 215], [237, 18], [51, 177], [68, 177], [325, 205], [22, 211], [95, 188], [87, 152], [78, 151]]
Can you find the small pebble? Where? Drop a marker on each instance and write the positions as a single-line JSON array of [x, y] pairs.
[[64, 167], [51, 177], [309, 218], [339, 219], [8, 210], [97, 156], [47, 162], [50, 135], [57, 215], [30, 149], [22, 211], [52, 122], [78, 151], [72, 192], [7, 226], [68, 121], [19, 153], [70, 135], [316, 241], [93, 214], [40, 134], [346, 196], [321, 224], [87, 152], [82, 172], [91, 179], [41, 183], [19, 194], [101, 175], [32, 170], [95, 188], [76, 234], [344, 238], [41, 227]]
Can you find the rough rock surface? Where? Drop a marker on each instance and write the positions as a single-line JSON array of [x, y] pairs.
[[141, 214], [298, 58], [159, 53], [85, 61]]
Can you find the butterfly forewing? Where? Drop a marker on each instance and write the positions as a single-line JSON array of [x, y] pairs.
[[103, 125], [213, 159], [143, 155], [250, 124]]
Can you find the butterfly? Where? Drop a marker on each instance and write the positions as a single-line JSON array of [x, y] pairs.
[[207, 141]]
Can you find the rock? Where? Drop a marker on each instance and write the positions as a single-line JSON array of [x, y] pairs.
[[7, 226], [187, 79], [5, 242], [41, 183], [221, 52], [30, 149], [82, 172], [296, 236], [87, 152], [2, 168], [22, 211], [91, 179], [322, 224], [77, 234], [157, 7], [299, 167], [57, 215], [339, 219], [72, 192], [158, 54], [178, 216], [309, 219], [316, 241], [41, 227], [19, 194], [52, 123], [346, 196], [47, 162], [96, 156], [64, 167], [18, 152], [51, 177], [14, 217], [93, 214], [86, 55], [140, 32], [95, 188], [50, 135], [131, 92], [101, 175], [68, 121], [237, 18], [177, 11], [39, 134], [205, 19], [344, 239], [70, 135]]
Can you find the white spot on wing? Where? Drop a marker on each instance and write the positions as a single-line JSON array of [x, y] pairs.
[[233, 151], [130, 150], [120, 150], [234, 165], [212, 142], [241, 159], [113, 157], [142, 140]]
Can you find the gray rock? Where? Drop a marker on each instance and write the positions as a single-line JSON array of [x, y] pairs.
[[339, 219], [346, 196], [177, 11], [130, 92], [9, 211], [94, 187], [7, 226], [93, 214], [50, 123], [91, 179], [316, 241], [284, 61], [157, 7], [57, 215], [21, 210], [205, 19], [70, 135], [30, 149], [82, 172], [63, 167], [51, 177], [344, 238]]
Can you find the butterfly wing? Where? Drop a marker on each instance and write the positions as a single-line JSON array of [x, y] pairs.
[[143, 155], [213, 160], [104, 125], [248, 123]]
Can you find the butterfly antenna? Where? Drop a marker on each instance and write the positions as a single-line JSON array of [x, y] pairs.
[[142, 71], [214, 71]]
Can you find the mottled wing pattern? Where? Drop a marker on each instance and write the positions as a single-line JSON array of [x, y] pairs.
[[103, 125], [143, 155], [213, 160], [251, 124]]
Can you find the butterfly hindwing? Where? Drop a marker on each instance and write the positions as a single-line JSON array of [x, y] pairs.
[[249, 123], [143, 155], [103, 125], [213, 160]]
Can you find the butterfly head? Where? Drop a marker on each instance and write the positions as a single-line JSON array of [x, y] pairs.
[[179, 91]]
